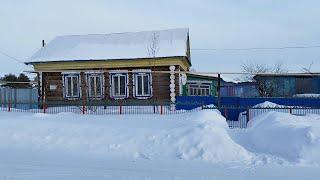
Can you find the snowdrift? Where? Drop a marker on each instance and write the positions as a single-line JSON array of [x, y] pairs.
[[190, 136], [273, 137], [295, 138]]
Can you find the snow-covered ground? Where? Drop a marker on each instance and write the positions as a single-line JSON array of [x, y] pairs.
[[195, 145], [267, 106]]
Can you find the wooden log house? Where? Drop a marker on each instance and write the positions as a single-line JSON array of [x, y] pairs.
[[133, 66]]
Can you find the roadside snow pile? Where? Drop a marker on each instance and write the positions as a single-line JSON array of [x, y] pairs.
[[295, 138], [190, 136], [268, 104]]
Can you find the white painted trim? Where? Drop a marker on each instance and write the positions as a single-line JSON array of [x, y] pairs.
[[94, 72], [102, 86], [172, 84], [119, 73], [69, 72], [135, 81], [200, 84], [199, 81], [78, 75], [141, 70], [40, 84]]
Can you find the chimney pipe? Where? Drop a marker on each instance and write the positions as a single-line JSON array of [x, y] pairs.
[[43, 43]]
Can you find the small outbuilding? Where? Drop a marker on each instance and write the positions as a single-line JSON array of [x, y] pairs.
[[200, 84], [288, 85]]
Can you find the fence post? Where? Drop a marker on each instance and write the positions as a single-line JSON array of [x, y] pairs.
[[15, 98], [83, 106], [226, 113], [9, 104], [248, 115], [290, 110], [44, 103], [120, 107], [161, 109], [44, 107]]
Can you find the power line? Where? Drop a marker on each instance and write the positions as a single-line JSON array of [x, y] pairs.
[[255, 48], [7, 55]]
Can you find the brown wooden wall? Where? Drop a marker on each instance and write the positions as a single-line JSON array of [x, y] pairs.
[[160, 84]]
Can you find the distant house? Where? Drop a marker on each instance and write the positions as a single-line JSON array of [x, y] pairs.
[[240, 89], [200, 85], [126, 66], [288, 85]]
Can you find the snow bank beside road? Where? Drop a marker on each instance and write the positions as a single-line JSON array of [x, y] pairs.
[[295, 138], [200, 136], [191, 136]]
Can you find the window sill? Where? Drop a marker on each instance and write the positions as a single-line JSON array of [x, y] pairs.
[[95, 98], [119, 97], [142, 97], [72, 98]]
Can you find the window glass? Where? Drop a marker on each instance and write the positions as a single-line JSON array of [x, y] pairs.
[[69, 88], [207, 92], [199, 89], [75, 86], [146, 84], [95, 86], [98, 86], [139, 85], [122, 85], [92, 90], [116, 85]]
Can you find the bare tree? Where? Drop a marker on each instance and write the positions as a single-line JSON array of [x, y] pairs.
[[307, 69], [153, 46], [265, 87], [251, 69], [278, 68]]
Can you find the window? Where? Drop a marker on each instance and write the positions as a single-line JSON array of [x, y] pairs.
[[142, 84], [71, 86], [95, 85], [199, 88], [119, 85]]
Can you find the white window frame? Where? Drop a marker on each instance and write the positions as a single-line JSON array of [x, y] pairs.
[[65, 86], [95, 75], [112, 87], [142, 72], [199, 89]]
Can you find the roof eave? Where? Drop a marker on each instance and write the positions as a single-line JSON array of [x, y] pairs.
[[83, 60]]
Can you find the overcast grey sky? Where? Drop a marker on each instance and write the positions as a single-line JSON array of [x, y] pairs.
[[212, 23]]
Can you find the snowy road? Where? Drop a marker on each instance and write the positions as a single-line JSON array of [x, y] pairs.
[[35, 165]]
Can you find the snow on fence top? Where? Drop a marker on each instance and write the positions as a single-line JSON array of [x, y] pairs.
[[129, 45]]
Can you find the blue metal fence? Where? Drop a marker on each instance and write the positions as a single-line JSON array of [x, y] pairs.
[[231, 107]]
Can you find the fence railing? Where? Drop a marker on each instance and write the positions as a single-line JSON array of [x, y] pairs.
[[101, 108], [119, 108]]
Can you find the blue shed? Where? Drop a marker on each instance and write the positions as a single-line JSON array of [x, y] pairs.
[[288, 85], [241, 89]]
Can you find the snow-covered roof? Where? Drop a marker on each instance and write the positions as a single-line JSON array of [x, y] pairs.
[[129, 45]]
